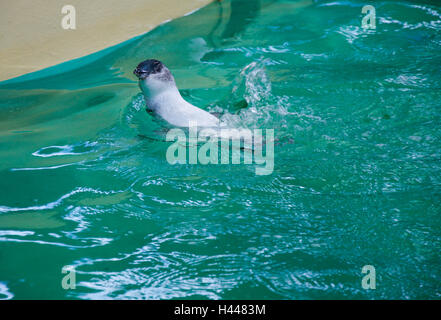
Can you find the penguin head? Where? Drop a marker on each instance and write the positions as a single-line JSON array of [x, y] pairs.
[[154, 77], [147, 68]]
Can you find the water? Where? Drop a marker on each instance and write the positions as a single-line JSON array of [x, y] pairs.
[[84, 180]]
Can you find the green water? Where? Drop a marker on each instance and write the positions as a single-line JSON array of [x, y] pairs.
[[356, 113]]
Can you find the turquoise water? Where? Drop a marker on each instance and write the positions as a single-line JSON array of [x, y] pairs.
[[84, 180]]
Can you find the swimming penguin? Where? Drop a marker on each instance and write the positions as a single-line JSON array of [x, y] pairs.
[[163, 98]]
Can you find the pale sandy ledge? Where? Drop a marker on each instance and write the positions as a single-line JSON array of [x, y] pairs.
[[32, 37]]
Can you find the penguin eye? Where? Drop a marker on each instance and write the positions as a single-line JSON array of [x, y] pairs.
[[156, 66]]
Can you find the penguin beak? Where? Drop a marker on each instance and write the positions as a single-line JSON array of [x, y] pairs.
[[136, 72]]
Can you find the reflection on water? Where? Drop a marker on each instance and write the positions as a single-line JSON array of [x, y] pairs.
[[85, 181], [241, 14], [4, 292]]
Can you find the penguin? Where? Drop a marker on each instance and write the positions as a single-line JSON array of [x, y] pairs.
[[164, 100]]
